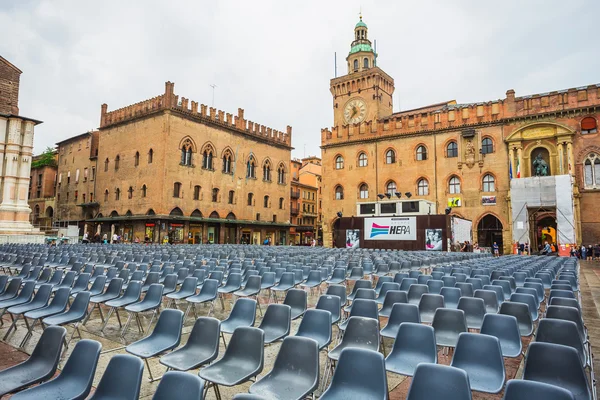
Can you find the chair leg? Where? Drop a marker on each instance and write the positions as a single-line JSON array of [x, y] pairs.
[[110, 312], [221, 295], [259, 307], [223, 337], [126, 324], [152, 379], [13, 325], [212, 306], [154, 313], [29, 332]]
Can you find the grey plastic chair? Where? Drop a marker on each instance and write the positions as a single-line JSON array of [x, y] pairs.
[[360, 374], [449, 281], [243, 360], [476, 283], [506, 329], [169, 283], [539, 288], [489, 299], [356, 273], [188, 288], [448, 324], [517, 389], [526, 299], [339, 291], [38, 301], [427, 306], [313, 280], [563, 332], [380, 281], [248, 396], [202, 346], [400, 313], [560, 293], [297, 299], [98, 286], [316, 325], [466, 289], [232, 284], [67, 281], [361, 308], [451, 296], [485, 279], [414, 344], [165, 336], [531, 291], [569, 314], [435, 286], [368, 294], [295, 373], [150, 302], [498, 290], [359, 284], [474, 310], [385, 287], [562, 301], [152, 277], [132, 294], [415, 292], [506, 289], [433, 381], [76, 378], [243, 313], [276, 322], [81, 284], [332, 304], [392, 297], [208, 293], [547, 361], [480, 357], [407, 283], [561, 286], [399, 276], [23, 297], [187, 387], [40, 366], [460, 278], [57, 305], [74, 315], [521, 312], [12, 289], [252, 287], [122, 379]]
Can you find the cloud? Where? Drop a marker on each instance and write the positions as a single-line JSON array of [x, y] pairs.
[[275, 58]]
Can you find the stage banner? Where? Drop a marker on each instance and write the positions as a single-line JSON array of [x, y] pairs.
[[395, 228]]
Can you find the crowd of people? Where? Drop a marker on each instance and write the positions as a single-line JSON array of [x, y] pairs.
[[583, 252]]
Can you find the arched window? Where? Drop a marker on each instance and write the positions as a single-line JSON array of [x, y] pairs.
[[366, 63], [339, 162], [106, 195], [251, 168], [390, 156], [250, 199], [130, 192], [136, 159], [227, 157], [215, 195], [281, 174], [591, 171], [454, 185], [487, 146], [362, 159], [144, 190], [266, 201], [339, 192], [117, 161], [356, 65], [267, 171], [391, 188], [589, 125], [489, 183], [421, 153], [363, 191], [207, 158], [197, 192], [177, 189], [150, 156], [106, 165], [423, 187], [186, 152], [230, 197], [281, 200], [117, 194], [452, 150]]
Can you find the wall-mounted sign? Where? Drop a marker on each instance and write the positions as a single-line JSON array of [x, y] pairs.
[[454, 202], [488, 200], [396, 228]]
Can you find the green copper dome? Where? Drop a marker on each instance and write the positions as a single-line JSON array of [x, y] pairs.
[[360, 24], [361, 47]]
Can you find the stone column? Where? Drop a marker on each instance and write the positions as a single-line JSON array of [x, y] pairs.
[[23, 177], [570, 157], [11, 171], [561, 155]]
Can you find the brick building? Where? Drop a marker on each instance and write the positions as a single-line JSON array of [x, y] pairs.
[[305, 208], [483, 159], [16, 151], [42, 191], [170, 168]]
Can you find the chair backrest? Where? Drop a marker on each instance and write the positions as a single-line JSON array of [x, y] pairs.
[[42, 296], [476, 351], [254, 283], [48, 349], [361, 332], [415, 338], [81, 365], [27, 291], [337, 290], [559, 331], [434, 381], [330, 303], [170, 282], [296, 298], [407, 283], [268, 278], [316, 322], [431, 302], [298, 356], [234, 280], [277, 315], [364, 308], [133, 291], [210, 287], [152, 277], [287, 279], [561, 293], [168, 327], [449, 320], [518, 389], [528, 299], [521, 312], [505, 328], [189, 285], [569, 314], [178, 384], [360, 369], [435, 286], [244, 309], [451, 295], [121, 379], [205, 334], [499, 292], [466, 289], [247, 344], [562, 301], [402, 312], [546, 361]]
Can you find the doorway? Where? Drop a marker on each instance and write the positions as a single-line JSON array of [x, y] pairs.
[[489, 230]]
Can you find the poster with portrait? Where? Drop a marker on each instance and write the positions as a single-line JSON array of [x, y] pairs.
[[433, 239], [352, 238]]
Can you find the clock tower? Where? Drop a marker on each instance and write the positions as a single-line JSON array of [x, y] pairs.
[[365, 93]]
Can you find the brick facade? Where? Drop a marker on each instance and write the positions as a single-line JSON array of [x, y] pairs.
[[9, 87]]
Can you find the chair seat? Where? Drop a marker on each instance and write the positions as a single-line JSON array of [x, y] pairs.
[[227, 373], [120, 302], [23, 308], [285, 385], [141, 307], [43, 312], [246, 292], [228, 326], [150, 346], [446, 339], [63, 319], [180, 295], [282, 288], [200, 298], [390, 331], [103, 298], [274, 333]]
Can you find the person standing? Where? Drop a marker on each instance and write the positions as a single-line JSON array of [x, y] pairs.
[[496, 250], [583, 252]]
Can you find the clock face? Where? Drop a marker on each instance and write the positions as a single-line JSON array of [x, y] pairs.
[[355, 111]]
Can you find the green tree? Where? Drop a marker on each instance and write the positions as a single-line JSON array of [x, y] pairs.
[[47, 158]]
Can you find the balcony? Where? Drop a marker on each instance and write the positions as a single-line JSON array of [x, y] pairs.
[[294, 210], [295, 194], [309, 213]]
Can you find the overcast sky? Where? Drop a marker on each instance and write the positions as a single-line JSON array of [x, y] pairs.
[[275, 58]]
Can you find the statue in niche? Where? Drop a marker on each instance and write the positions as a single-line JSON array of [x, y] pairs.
[[470, 154], [540, 167]]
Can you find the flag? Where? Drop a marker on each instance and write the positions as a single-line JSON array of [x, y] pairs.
[[518, 169], [510, 169]]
